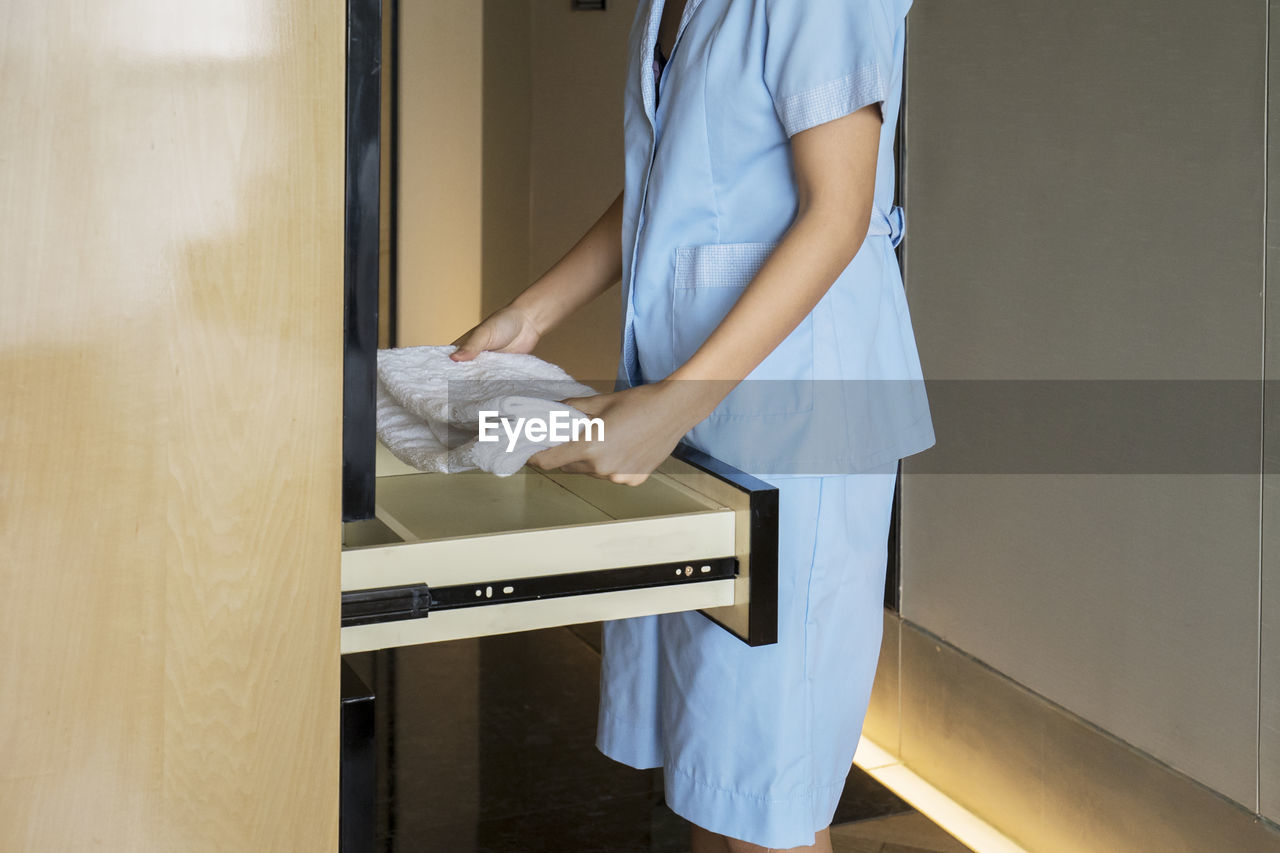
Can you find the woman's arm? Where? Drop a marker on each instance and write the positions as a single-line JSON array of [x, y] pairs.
[[587, 270], [835, 169]]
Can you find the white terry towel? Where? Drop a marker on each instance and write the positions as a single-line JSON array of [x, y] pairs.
[[429, 406]]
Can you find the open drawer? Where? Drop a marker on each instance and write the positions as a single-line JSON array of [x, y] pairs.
[[449, 556]]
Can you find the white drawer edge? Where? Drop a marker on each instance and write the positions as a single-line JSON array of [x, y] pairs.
[[531, 615], [550, 551]]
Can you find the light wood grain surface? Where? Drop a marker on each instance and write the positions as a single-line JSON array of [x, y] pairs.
[[170, 361]]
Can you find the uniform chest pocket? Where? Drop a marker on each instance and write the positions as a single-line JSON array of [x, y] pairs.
[[708, 281]]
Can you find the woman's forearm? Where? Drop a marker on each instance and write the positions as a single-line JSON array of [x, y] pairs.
[[645, 422], [587, 270]]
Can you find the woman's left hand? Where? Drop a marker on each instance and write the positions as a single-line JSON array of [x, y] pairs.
[[642, 425]]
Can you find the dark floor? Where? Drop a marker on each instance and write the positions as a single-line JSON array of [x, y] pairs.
[[489, 746]]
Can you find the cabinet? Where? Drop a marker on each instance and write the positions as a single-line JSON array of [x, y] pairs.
[[430, 557]]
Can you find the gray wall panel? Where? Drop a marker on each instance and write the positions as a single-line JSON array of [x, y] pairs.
[[1269, 689], [1129, 600], [1269, 671], [1084, 186]]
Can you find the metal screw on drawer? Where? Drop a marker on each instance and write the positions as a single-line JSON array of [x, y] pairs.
[[688, 570]]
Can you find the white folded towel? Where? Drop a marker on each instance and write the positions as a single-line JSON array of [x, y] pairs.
[[429, 407]]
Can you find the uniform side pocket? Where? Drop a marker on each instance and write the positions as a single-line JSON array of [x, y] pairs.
[[708, 281]]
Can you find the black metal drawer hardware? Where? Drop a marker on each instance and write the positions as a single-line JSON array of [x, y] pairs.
[[392, 604]]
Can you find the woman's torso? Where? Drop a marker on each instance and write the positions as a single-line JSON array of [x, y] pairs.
[[710, 190]]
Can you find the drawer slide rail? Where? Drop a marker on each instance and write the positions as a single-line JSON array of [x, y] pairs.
[[417, 601]]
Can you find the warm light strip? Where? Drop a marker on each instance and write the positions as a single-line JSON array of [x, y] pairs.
[[967, 827]]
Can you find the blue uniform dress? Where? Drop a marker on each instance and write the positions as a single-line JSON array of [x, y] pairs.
[[755, 743]]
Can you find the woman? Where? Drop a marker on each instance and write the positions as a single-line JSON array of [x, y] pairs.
[[757, 244]]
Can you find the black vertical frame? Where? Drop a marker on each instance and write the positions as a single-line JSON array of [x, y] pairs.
[[393, 156], [358, 776], [360, 273], [893, 569]]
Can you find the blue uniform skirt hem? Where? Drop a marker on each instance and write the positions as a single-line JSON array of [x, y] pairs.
[[617, 738], [766, 821]]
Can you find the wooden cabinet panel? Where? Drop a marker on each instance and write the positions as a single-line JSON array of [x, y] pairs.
[[170, 321]]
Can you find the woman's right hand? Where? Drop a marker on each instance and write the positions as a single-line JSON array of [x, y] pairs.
[[508, 329]]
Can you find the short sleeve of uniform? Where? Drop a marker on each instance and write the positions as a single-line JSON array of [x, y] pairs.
[[824, 59]]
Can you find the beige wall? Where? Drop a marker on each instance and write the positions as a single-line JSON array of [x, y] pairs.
[[171, 365], [501, 173], [579, 66], [441, 127], [508, 102]]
